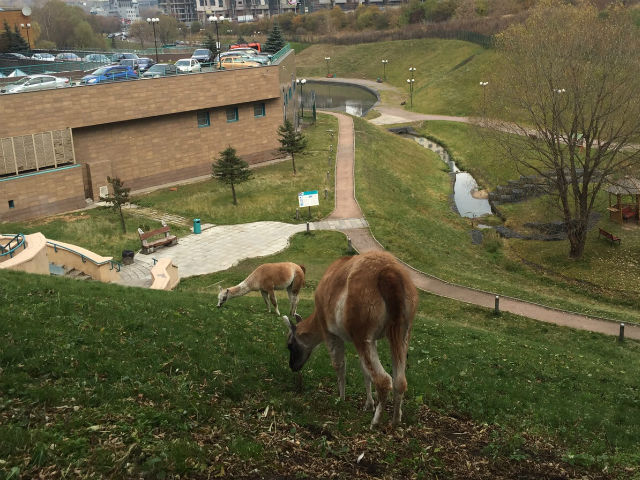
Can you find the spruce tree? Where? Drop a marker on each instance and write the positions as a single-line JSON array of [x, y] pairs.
[[120, 197], [210, 43], [275, 41], [291, 142], [231, 170]]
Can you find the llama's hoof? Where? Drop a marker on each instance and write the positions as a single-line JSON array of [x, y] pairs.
[[369, 405]]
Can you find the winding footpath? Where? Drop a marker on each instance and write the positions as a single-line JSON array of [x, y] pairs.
[[363, 241], [220, 247]]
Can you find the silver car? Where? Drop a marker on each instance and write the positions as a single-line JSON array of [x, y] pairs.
[[32, 83]]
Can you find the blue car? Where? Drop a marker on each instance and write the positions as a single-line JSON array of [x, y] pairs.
[[110, 73]]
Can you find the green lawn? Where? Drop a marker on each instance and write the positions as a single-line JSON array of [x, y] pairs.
[[271, 195], [447, 76], [119, 382]]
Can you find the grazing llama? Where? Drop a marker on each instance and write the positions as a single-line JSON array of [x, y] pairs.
[[361, 299], [267, 278]]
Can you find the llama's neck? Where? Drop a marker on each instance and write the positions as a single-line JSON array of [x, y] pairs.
[[241, 289], [310, 331]]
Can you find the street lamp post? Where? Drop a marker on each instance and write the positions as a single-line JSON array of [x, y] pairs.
[[215, 20], [384, 69], [153, 22], [411, 81], [27, 27], [484, 98], [301, 82], [328, 59]]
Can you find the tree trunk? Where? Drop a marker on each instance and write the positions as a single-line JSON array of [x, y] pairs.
[[124, 227], [293, 162], [233, 191]]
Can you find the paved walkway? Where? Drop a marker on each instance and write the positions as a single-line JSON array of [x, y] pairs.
[[221, 247]]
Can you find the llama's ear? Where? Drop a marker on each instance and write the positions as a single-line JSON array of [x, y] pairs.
[[219, 288], [287, 322], [298, 318]]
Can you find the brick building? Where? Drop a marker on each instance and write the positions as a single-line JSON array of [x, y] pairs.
[[17, 20], [57, 147]]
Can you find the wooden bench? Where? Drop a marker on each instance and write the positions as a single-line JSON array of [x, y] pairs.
[[165, 238], [628, 212], [609, 236]]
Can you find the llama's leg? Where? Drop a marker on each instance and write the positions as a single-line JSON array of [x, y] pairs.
[[335, 345], [368, 353], [265, 297], [399, 361], [293, 299], [272, 296], [367, 386]]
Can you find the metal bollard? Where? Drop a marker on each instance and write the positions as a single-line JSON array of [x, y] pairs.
[[349, 244], [497, 307], [621, 337], [328, 176], [308, 227], [326, 193], [297, 214]]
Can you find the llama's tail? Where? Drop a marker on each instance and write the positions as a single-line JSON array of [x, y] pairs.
[[304, 270], [400, 298]]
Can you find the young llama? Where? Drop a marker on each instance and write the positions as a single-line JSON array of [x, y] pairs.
[[267, 278]]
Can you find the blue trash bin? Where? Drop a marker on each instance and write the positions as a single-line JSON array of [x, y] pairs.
[[197, 228]]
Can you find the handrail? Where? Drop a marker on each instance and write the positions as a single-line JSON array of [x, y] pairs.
[[280, 53], [7, 249], [84, 258]]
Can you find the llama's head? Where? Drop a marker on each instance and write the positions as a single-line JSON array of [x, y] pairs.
[[298, 352], [223, 295]]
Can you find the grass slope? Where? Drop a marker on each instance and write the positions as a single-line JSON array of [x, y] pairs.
[[108, 381], [406, 203], [447, 74]]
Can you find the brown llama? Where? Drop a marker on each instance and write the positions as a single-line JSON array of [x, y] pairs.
[[267, 278], [361, 299]]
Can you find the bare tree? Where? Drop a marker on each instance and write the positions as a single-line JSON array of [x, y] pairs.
[[569, 91]]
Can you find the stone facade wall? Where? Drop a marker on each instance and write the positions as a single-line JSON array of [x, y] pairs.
[[44, 193]]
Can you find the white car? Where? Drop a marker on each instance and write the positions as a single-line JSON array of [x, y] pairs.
[[32, 83], [188, 65], [43, 57]]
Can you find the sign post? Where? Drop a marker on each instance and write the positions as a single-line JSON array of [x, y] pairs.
[[308, 199]]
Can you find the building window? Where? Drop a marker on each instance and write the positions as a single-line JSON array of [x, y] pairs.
[[220, 3], [203, 118], [258, 110], [11, 204], [232, 114], [289, 93]]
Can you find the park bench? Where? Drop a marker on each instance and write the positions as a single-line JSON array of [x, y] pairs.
[[165, 238], [609, 236], [628, 212]]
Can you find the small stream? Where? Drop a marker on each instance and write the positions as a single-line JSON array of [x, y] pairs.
[[465, 185]]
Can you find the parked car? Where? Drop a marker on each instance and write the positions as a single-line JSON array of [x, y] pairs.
[[110, 73], [67, 57], [144, 63], [13, 56], [250, 51], [97, 57], [43, 57], [188, 65], [32, 83], [229, 62], [116, 57], [160, 70], [261, 59], [203, 55]]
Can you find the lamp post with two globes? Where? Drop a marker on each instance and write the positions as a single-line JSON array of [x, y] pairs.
[[153, 21]]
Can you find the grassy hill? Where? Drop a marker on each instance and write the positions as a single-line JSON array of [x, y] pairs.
[[447, 74], [116, 382]]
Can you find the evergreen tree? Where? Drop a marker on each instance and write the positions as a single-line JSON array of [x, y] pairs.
[[120, 197], [210, 43], [275, 41], [291, 142], [12, 41], [231, 170]]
